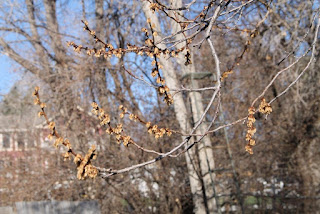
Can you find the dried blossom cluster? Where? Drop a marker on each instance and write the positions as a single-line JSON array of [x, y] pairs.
[[251, 130], [158, 132], [107, 50], [155, 7], [152, 129], [105, 120], [225, 75], [103, 117], [250, 34], [264, 108], [84, 166]]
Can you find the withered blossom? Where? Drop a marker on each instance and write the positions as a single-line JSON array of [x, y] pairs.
[[77, 159], [264, 107], [85, 168], [51, 125], [251, 130], [36, 101], [66, 156], [82, 163], [57, 142], [42, 105]]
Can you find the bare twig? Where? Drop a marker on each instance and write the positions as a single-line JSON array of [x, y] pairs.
[[277, 75], [138, 78], [307, 66]]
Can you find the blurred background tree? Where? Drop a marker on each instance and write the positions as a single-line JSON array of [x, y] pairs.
[[283, 175]]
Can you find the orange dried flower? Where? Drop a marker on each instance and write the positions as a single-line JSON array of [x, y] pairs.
[[42, 105], [90, 171], [251, 110], [67, 144], [149, 42], [50, 136], [169, 132], [77, 159], [250, 131], [37, 101], [51, 125], [264, 107], [126, 140], [154, 72], [41, 113], [66, 156], [57, 142], [249, 149]]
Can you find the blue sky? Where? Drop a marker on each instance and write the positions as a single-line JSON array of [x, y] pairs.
[[7, 66], [7, 76], [9, 72]]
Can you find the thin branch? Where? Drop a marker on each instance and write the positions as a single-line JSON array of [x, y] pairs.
[[306, 68], [109, 172], [236, 8], [228, 125], [277, 75], [138, 78], [207, 131], [176, 91]]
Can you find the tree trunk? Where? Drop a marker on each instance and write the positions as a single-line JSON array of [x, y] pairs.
[[202, 187], [308, 159], [307, 154]]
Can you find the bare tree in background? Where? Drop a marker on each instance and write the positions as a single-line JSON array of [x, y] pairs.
[[256, 50], [73, 83]]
